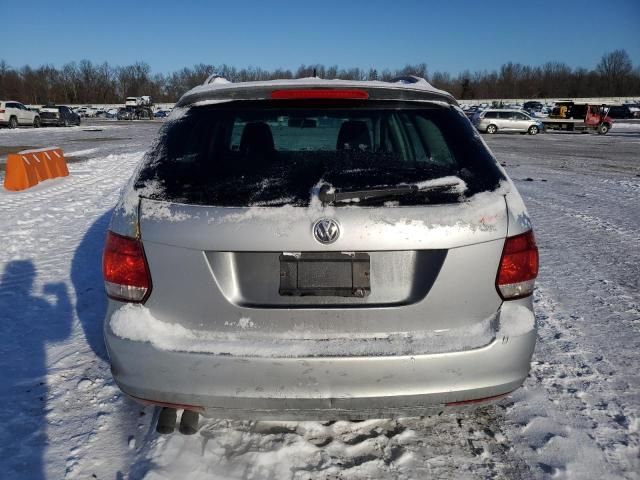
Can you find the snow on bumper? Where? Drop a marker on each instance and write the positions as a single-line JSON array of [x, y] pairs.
[[327, 387]]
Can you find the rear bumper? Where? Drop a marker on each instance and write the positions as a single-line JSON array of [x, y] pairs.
[[51, 121], [322, 387]]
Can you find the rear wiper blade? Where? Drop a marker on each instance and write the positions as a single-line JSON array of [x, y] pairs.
[[329, 195]]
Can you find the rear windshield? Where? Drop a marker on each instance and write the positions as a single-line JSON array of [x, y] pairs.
[[276, 153]]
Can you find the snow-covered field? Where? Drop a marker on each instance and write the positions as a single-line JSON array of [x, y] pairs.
[[577, 415]]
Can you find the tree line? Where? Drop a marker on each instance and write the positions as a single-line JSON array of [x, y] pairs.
[[86, 82]]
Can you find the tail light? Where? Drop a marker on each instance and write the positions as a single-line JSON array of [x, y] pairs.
[[2, 110], [125, 269], [518, 267]]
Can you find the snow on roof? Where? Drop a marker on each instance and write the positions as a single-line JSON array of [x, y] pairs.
[[217, 89]]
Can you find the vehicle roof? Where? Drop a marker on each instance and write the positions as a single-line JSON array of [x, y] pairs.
[[220, 90], [519, 110]]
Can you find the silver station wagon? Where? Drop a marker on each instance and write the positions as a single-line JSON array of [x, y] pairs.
[[315, 249]]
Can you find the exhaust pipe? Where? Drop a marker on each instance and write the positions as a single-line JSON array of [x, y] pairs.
[[166, 421], [189, 422]]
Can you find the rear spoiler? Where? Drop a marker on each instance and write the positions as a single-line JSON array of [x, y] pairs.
[[239, 93]]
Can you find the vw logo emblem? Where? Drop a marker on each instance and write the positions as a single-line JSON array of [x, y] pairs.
[[326, 230]]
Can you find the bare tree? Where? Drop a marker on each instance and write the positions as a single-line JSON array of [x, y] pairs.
[[86, 82], [615, 69]]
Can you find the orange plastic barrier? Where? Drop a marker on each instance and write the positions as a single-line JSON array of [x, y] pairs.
[[29, 167]]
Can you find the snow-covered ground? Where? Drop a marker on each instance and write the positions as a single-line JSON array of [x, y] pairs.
[[576, 416], [94, 138]]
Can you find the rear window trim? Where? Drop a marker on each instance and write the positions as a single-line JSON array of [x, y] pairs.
[[148, 172]]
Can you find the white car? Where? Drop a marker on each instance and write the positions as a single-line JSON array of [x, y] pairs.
[[14, 114], [89, 111]]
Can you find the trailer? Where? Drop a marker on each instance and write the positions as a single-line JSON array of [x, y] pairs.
[[572, 116], [137, 108]]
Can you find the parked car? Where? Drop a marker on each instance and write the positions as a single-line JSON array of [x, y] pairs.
[[497, 120], [85, 111], [472, 110], [620, 112], [318, 249], [13, 114], [161, 114], [533, 106], [125, 113], [58, 115], [634, 108]]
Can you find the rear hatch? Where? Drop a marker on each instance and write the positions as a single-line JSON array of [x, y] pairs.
[[319, 220], [49, 113]]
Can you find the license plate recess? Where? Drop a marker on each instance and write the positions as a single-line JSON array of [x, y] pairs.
[[325, 274]]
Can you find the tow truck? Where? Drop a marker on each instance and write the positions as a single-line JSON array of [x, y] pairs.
[[572, 116]]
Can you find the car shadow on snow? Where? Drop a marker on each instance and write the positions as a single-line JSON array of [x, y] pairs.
[[129, 420], [29, 321], [86, 276]]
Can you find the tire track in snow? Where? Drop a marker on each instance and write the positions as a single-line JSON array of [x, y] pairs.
[[451, 445], [570, 406], [581, 400]]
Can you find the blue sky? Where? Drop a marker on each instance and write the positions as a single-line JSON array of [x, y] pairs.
[[446, 35]]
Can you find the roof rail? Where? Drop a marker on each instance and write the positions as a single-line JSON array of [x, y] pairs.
[[408, 79], [215, 78]]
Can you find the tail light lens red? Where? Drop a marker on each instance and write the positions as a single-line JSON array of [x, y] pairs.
[[518, 267], [125, 269], [320, 94]]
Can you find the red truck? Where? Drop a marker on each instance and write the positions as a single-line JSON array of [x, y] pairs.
[[572, 116]]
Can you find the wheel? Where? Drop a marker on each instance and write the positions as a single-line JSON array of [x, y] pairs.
[[603, 128], [66, 122], [533, 130], [13, 122], [78, 123], [492, 129]]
